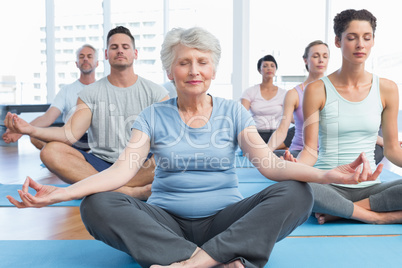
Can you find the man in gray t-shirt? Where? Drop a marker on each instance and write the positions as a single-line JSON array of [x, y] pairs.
[[66, 99], [107, 109]]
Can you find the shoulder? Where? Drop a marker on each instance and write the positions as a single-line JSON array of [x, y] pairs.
[[317, 85], [292, 95], [282, 92], [95, 85], [314, 93], [252, 89], [250, 93], [150, 86], [388, 92], [161, 109], [387, 85], [149, 83], [223, 101]]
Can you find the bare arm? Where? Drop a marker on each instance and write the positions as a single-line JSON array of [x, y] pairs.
[[44, 120], [122, 171], [389, 119], [72, 131], [246, 104], [290, 104], [280, 170], [313, 102], [47, 118], [380, 141], [165, 98]]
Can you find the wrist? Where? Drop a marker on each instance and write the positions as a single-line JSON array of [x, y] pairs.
[[322, 177]]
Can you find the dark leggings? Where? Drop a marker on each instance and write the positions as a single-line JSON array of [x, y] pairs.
[[266, 134], [338, 201], [246, 230]]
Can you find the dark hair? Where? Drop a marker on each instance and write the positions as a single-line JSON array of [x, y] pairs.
[[343, 19], [120, 30], [307, 49], [266, 58]]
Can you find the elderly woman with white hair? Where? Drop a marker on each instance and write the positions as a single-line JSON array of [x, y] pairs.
[[195, 215]]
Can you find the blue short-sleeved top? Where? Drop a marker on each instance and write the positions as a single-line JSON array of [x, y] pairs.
[[195, 175]]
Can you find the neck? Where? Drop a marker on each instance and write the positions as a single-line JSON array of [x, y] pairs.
[[268, 84], [312, 77], [193, 103], [352, 75], [122, 78], [87, 79]]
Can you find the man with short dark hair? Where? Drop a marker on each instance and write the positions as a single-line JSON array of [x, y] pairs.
[[107, 109]]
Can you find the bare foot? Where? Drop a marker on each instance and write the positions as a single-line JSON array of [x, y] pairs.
[[176, 264], [234, 264], [323, 218], [140, 192], [199, 259]]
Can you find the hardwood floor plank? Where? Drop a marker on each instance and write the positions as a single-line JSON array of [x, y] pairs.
[[49, 223]]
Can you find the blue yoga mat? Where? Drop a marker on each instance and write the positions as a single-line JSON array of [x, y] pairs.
[[345, 227], [336, 252], [328, 252], [251, 182], [62, 254], [11, 189]]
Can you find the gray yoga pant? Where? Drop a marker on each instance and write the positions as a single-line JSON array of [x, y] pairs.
[[338, 201], [247, 230]]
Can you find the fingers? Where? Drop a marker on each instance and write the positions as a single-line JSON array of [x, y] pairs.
[[12, 122], [358, 161], [25, 200], [376, 173], [8, 121], [289, 157], [25, 197], [356, 175], [34, 185], [366, 173], [15, 202], [25, 186]]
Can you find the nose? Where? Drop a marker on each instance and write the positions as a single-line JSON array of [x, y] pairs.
[[360, 43], [193, 70]]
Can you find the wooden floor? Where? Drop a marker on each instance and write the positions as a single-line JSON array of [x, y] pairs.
[[16, 163]]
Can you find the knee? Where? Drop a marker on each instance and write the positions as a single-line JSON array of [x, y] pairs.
[[50, 152], [93, 211], [298, 196], [92, 206], [37, 143], [100, 207]]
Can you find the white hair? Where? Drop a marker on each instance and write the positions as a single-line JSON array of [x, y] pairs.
[[195, 37], [89, 46]]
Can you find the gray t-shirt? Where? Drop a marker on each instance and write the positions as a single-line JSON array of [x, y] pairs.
[[66, 99], [114, 110]]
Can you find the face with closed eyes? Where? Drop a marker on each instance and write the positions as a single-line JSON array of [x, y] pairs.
[[192, 70], [120, 51], [268, 69], [86, 61], [317, 60], [356, 41]]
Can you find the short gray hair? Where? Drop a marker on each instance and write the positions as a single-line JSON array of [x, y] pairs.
[[195, 37], [89, 46]]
